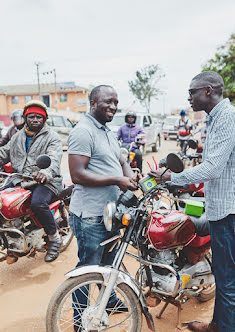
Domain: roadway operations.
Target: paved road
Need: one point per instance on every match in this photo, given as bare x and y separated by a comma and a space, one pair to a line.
27, 286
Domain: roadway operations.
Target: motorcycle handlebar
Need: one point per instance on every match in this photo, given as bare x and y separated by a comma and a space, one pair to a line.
12, 175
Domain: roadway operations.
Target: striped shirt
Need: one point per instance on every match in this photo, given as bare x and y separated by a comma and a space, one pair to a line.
218, 167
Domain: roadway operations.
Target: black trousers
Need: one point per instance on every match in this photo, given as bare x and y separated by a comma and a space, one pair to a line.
138, 158
41, 198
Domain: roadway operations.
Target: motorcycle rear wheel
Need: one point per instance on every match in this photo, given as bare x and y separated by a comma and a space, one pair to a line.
207, 294
60, 318
64, 229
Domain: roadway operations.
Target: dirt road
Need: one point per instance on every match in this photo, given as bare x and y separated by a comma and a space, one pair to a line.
27, 286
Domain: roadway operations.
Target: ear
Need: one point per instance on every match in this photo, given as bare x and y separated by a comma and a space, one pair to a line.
92, 103
208, 90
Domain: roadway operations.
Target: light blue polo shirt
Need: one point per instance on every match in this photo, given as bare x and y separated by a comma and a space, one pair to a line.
92, 139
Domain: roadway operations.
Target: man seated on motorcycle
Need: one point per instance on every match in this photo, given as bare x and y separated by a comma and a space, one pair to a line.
183, 125
127, 134
18, 123
22, 151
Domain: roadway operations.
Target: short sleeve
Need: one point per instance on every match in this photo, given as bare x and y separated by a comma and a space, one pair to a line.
80, 142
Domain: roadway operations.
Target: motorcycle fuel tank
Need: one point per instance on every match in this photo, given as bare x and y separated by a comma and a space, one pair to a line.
14, 202
169, 229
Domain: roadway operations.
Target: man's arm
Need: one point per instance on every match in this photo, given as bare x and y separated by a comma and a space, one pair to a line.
55, 152
80, 175
5, 139
222, 143
5, 154
126, 168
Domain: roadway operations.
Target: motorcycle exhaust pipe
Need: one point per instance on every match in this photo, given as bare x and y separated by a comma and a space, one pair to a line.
17, 231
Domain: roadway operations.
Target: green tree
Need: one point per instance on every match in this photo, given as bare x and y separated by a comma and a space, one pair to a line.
144, 86
224, 64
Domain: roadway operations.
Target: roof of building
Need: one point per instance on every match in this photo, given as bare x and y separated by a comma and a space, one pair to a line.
30, 89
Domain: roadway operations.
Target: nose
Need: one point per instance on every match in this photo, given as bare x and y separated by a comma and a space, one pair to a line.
113, 107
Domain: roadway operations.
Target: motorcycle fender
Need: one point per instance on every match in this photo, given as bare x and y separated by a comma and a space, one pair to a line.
122, 278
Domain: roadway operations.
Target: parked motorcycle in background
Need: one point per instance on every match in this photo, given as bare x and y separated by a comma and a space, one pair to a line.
20, 232
175, 264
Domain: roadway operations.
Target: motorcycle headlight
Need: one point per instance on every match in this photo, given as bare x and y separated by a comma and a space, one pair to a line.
109, 211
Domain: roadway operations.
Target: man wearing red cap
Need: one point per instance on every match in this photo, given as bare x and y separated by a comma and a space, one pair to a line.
22, 151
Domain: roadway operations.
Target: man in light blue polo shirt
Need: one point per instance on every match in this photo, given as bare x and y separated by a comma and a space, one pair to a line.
98, 172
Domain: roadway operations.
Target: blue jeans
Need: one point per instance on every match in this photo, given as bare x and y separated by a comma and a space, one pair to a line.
223, 263
90, 232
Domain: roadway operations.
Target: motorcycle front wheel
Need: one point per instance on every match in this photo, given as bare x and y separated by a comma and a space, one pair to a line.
62, 317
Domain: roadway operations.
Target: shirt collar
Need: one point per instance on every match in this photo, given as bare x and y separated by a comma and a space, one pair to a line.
131, 125
217, 107
97, 123
216, 110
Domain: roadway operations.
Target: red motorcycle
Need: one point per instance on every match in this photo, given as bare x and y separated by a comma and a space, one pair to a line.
20, 232
175, 264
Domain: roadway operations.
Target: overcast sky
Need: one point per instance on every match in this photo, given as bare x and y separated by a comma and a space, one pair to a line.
106, 41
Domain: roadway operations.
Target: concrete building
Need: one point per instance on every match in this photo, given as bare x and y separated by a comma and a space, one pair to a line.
62, 96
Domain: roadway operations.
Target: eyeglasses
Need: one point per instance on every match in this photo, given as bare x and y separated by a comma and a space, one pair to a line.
192, 91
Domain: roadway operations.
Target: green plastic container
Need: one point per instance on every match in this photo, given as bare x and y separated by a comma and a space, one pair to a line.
193, 208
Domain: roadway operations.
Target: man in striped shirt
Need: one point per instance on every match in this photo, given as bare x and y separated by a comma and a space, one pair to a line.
217, 171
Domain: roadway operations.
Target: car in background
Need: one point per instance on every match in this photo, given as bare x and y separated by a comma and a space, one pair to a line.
61, 125
169, 127
144, 120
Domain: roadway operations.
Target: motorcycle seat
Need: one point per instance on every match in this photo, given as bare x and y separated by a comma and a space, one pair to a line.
201, 225
65, 192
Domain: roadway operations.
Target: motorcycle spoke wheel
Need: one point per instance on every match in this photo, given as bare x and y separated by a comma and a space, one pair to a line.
65, 231
207, 293
61, 316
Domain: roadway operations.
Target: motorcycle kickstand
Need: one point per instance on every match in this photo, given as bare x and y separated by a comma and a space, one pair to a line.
180, 325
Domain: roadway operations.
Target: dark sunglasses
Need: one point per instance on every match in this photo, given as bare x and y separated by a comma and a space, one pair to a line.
192, 91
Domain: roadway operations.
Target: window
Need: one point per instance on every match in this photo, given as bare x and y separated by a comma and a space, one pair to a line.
58, 121
28, 98
68, 123
150, 119
63, 97
49, 121
14, 99
146, 122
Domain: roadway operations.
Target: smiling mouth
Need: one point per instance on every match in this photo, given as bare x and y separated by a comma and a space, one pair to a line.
109, 113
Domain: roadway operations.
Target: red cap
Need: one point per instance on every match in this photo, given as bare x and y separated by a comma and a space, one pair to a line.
37, 110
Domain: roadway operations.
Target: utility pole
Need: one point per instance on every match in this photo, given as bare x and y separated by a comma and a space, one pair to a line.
56, 100
53, 71
39, 92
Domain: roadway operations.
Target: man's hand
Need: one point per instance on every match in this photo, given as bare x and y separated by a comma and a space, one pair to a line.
39, 177
157, 175
125, 183
137, 176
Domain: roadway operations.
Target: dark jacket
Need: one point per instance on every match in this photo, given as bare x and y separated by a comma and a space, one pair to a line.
5, 139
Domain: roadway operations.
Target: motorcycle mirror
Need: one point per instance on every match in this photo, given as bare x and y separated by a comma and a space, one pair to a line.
43, 161
174, 162
193, 143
